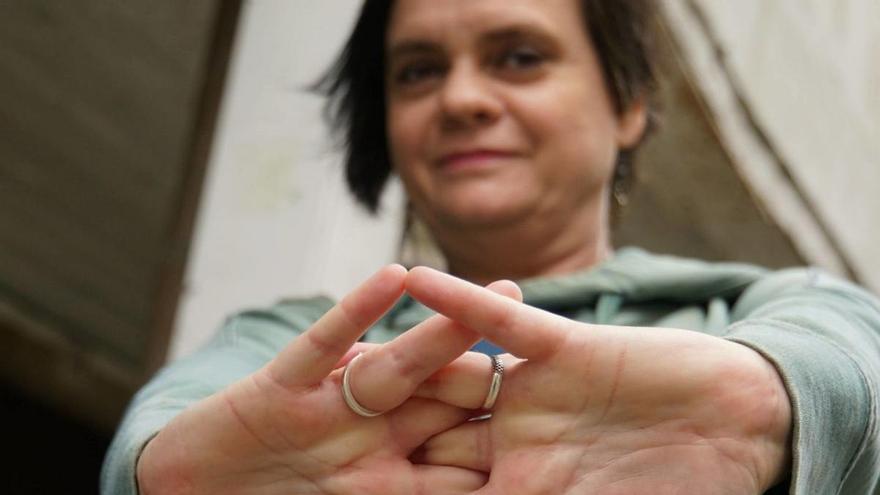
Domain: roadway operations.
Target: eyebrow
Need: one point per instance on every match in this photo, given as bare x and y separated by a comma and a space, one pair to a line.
501, 34
411, 47
514, 32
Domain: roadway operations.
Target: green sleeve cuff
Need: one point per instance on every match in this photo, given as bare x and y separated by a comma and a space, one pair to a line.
833, 407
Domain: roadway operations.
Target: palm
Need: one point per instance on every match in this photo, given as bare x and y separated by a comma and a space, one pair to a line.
251, 423
600, 424
612, 409
267, 439
286, 428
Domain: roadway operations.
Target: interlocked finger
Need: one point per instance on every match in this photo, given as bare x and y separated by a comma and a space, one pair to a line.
468, 446
465, 382
447, 480
417, 420
522, 330
315, 353
385, 377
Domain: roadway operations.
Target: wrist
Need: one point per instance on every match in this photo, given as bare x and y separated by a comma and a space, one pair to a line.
141, 475
773, 444
147, 476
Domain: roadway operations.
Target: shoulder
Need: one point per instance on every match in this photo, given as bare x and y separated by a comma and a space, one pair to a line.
807, 285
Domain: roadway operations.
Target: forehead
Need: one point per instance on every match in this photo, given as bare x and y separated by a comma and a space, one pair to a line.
439, 19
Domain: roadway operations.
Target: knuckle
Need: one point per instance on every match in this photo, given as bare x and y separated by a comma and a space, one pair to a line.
506, 317
351, 312
324, 346
405, 366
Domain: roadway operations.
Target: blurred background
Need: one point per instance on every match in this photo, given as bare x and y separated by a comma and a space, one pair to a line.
162, 166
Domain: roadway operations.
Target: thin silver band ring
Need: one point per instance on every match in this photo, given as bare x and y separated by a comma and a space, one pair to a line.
495, 385
350, 401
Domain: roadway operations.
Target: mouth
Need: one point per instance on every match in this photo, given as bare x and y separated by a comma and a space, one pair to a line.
473, 159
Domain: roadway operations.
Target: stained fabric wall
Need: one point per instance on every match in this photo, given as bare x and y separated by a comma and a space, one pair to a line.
806, 77
276, 220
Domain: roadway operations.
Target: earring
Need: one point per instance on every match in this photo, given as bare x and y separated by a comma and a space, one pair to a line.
620, 196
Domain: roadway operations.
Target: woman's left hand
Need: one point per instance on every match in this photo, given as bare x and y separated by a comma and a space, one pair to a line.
604, 409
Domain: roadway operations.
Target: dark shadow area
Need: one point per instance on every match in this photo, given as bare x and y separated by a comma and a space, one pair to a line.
46, 452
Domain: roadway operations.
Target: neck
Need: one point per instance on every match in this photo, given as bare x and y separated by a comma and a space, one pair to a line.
536, 247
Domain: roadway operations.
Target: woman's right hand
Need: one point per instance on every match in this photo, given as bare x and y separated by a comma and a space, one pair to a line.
286, 429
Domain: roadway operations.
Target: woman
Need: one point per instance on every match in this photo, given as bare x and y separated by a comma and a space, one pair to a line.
627, 372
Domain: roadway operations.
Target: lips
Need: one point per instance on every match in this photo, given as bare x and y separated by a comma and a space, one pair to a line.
473, 159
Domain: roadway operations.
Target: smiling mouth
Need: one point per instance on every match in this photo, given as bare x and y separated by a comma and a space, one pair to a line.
473, 160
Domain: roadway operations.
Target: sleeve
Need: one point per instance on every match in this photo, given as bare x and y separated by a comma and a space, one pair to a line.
823, 336
244, 344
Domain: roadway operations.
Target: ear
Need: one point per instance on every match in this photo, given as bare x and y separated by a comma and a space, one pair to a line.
632, 123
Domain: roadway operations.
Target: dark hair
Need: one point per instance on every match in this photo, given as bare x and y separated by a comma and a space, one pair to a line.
622, 32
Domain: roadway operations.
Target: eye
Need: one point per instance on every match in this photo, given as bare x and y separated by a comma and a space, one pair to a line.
519, 58
416, 72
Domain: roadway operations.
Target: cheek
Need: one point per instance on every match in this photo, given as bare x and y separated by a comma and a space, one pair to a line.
406, 131
576, 144
396, 137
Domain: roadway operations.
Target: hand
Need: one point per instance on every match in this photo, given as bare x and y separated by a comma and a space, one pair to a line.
286, 429
602, 409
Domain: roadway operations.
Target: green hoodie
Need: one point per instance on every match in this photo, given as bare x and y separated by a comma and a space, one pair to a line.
822, 334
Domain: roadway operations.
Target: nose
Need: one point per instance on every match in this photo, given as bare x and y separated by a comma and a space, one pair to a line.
468, 99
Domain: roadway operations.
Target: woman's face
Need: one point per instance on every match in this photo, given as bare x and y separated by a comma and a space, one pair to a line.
498, 111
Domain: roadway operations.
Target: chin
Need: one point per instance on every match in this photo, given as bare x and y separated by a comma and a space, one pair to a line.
482, 214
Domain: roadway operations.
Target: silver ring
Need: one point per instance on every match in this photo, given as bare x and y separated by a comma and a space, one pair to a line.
350, 401
495, 386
